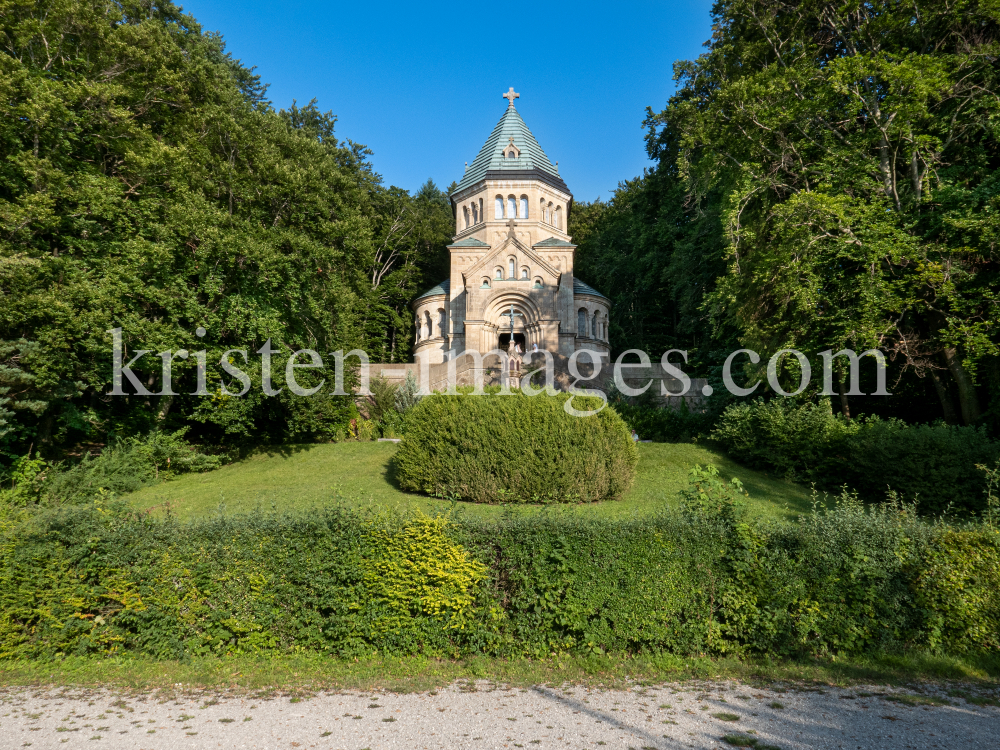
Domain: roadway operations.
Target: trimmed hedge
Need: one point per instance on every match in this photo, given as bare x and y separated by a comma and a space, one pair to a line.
934, 465
515, 449
705, 579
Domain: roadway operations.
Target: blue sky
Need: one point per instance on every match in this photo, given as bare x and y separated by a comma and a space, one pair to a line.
420, 83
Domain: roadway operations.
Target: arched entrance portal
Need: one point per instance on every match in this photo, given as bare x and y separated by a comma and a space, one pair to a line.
504, 340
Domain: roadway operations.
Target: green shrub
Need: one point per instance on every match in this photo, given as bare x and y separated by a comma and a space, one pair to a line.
665, 425
127, 466
706, 578
515, 449
957, 584
800, 440
936, 465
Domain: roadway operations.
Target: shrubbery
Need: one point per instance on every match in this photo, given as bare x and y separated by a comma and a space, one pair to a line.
705, 578
665, 424
934, 464
121, 468
515, 449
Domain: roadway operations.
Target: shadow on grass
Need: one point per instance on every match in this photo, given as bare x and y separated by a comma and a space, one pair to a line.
311, 672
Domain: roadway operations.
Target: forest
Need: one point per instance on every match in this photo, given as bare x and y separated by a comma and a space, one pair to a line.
824, 177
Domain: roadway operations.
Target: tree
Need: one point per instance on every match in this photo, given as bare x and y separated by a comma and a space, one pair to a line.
850, 150
148, 184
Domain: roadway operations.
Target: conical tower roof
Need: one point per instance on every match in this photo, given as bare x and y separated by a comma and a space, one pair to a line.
531, 162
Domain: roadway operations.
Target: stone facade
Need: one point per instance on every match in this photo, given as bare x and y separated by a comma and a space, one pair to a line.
511, 254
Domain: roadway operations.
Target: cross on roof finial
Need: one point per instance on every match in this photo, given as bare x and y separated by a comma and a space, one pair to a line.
511, 96
511, 224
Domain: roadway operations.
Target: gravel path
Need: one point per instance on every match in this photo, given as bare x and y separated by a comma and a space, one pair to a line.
484, 716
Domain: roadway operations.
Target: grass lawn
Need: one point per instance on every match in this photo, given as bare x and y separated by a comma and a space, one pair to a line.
304, 674
360, 473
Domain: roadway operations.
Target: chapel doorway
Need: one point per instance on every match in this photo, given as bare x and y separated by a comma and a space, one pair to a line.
504, 341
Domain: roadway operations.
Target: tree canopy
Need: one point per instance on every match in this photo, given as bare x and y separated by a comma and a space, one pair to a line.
147, 183
826, 177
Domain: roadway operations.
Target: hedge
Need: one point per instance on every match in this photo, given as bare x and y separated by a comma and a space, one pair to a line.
101, 580
935, 465
515, 449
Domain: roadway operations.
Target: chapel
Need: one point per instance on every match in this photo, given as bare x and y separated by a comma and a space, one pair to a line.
511, 259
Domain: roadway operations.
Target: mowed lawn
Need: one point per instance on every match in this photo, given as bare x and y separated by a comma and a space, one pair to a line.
360, 474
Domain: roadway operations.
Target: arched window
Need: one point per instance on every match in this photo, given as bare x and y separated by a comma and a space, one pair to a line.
498, 274
593, 325
485, 284
511, 207
465, 212
475, 214
558, 219
524, 274
524, 207
581, 322
499, 208
429, 327
511, 273
482, 216
538, 283
441, 321
548, 213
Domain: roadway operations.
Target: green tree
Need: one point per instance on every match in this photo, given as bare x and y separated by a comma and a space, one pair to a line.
147, 183
850, 150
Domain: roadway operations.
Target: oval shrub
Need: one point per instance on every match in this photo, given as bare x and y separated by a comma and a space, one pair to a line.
515, 449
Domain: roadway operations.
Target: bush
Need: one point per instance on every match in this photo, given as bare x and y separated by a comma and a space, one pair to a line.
706, 578
957, 584
127, 466
515, 449
936, 465
665, 425
799, 440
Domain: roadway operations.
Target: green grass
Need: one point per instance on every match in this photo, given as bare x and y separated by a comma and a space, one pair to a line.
360, 473
303, 673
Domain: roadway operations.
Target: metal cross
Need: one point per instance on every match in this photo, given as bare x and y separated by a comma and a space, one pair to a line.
511, 315
511, 96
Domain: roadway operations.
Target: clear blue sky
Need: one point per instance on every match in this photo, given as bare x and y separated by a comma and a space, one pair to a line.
420, 82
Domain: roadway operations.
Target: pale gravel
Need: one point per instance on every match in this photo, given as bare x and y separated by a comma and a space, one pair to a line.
485, 716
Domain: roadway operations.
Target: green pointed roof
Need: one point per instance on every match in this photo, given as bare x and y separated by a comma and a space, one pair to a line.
532, 161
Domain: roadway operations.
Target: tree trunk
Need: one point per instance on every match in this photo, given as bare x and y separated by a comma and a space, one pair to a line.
950, 415
165, 403
845, 407
968, 402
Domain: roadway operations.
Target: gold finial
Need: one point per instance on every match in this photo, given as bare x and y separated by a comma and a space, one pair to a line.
511, 95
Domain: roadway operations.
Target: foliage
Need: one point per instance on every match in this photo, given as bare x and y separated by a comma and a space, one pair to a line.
148, 184
826, 177
98, 579
665, 425
407, 394
958, 586
515, 449
937, 465
126, 466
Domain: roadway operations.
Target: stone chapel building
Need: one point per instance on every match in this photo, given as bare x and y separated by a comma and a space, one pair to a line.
511, 254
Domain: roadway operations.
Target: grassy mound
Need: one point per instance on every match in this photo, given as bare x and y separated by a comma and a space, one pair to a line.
515, 449
362, 474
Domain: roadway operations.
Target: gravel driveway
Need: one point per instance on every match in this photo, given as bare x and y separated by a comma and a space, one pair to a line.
485, 716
